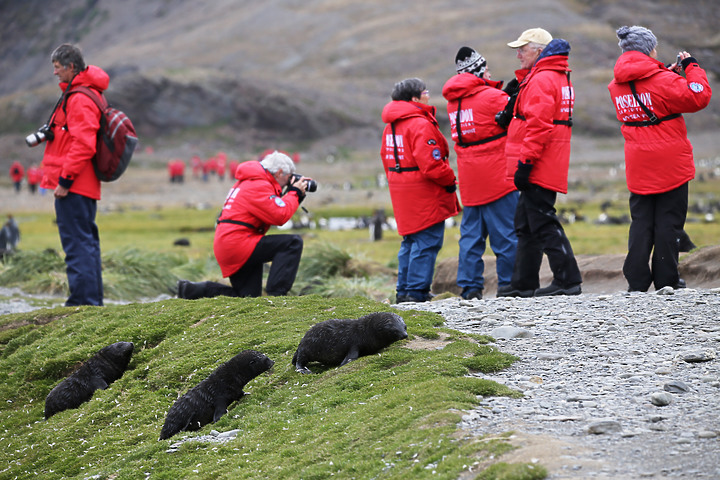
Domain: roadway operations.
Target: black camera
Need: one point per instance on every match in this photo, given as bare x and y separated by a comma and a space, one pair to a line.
311, 184
43, 133
503, 117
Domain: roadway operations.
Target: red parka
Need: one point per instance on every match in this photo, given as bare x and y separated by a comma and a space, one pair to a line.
68, 158
658, 158
34, 175
546, 96
417, 189
482, 173
256, 199
17, 171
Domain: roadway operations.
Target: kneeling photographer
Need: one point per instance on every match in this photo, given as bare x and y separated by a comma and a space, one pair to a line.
253, 205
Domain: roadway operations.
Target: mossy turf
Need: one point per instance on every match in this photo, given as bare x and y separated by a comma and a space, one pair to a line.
390, 415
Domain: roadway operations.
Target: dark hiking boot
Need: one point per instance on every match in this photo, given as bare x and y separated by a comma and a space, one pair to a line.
472, 294
553, 289
190, 290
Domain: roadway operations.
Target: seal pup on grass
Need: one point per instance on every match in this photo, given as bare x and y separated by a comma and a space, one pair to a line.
336, 342
208, 401
98, 372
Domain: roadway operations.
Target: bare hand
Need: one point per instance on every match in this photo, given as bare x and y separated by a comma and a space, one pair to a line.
61, 192
300, 183
677, 67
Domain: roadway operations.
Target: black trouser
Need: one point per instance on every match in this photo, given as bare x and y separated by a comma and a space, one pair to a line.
657, 226
539, 231
284, 251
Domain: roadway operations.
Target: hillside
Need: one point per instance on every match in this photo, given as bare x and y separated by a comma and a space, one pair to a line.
303, 74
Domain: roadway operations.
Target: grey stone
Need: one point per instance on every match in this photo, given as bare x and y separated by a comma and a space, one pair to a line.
604, 426
661, 399
676, 386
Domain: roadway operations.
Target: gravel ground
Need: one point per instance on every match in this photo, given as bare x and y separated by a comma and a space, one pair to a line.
617, 386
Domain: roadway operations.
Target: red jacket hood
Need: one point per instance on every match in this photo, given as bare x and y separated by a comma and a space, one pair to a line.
398, 109
634, 65
253, 171
466, 84
92, 76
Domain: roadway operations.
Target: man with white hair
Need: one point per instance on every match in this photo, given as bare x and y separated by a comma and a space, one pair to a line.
538, 155
241, 247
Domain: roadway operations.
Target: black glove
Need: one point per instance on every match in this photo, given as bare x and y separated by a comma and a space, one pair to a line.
522, 175
512, 87
300, 194
687, 61
451, 188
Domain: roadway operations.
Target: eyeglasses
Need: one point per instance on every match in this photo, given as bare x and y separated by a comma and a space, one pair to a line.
425, 92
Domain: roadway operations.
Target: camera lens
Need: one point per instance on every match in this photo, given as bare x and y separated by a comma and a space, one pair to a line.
311, 186
34, 139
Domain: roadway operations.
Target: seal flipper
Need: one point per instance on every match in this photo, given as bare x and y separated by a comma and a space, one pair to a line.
98, 383
222, 404
352, 354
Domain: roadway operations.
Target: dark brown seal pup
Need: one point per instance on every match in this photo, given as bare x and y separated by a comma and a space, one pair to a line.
339, 341
99, 371
208, 401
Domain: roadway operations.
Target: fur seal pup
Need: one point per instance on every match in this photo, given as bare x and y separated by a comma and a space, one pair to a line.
339, 341
208, 400
99, 371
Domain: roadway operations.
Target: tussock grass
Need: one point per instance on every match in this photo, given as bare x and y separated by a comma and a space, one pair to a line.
128, 274
390, 415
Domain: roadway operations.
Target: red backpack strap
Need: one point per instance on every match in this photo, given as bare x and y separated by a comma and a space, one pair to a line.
95, 96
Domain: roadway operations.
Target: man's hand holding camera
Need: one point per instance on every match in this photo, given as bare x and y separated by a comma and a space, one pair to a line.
301, 185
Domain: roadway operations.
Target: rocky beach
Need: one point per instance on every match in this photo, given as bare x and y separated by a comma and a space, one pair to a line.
616, 386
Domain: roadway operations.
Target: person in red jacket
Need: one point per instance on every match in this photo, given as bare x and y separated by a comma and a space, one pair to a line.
17, 172
489, 198
649, 99
69, 172
241, 247
422, 185
538, 156
34, 177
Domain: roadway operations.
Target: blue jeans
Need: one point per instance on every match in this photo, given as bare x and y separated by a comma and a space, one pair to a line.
416, 260
494, 220
81, 242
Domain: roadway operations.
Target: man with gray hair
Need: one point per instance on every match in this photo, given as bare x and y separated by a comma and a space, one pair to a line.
68, 171
538, 156
649, 99
255, 203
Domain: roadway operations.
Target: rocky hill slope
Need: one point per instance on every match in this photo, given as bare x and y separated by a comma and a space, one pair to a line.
246, 73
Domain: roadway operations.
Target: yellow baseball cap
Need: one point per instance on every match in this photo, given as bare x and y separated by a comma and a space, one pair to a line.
533, 35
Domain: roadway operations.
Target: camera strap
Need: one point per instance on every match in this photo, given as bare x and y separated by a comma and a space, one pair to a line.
397, 168
654, 120
61, 100
568, 122
482, 141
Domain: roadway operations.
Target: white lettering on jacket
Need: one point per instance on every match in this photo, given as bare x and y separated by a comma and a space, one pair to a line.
466, 116
394, 140
629, 109
624, 102
231, 197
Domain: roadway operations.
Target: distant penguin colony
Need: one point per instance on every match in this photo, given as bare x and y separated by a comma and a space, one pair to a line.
98, 372
338, 341
208, 401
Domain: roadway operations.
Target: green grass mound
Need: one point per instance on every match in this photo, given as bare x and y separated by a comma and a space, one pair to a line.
390, 415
